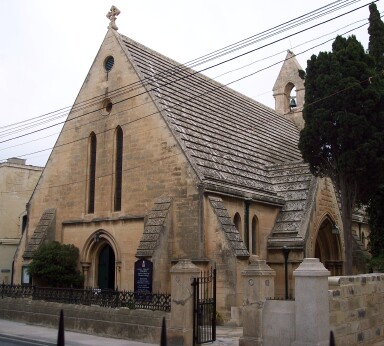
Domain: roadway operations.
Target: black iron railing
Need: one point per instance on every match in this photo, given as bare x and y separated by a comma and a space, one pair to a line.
105, 298
204, 311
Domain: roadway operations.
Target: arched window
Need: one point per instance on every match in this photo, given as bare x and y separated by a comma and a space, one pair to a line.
253, 236
24, 222
118, 167
237, 222
91, 173
290, 101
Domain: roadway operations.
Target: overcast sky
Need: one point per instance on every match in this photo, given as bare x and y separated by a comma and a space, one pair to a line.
48, 47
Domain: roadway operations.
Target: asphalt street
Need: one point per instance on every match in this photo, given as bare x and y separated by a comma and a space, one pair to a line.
21, 334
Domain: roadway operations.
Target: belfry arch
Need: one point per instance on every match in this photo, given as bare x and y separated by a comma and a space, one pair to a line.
101, 261
289, 92
328, 246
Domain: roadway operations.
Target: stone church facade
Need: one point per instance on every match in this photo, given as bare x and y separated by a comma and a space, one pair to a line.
158, 162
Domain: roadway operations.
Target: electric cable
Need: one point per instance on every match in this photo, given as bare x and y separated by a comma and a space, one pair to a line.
203, 95
196, 72
233, 45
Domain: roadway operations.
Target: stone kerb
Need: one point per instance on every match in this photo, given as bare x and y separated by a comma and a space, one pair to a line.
258, 285
311, 308
181, 324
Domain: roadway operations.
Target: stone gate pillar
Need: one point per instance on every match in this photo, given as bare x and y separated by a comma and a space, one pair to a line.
181, 325
259, 284
311, 304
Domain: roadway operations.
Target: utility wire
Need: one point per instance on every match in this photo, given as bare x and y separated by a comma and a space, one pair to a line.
193, 72
151, 162
237, 69
277, 30
227, 84
237, 45
202, 95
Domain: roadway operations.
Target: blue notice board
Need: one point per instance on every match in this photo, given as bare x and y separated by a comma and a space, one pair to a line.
143, 276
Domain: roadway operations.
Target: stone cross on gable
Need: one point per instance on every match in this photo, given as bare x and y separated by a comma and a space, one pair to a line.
111, 15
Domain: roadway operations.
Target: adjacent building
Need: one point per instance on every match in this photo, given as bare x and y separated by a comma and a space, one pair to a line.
17, 182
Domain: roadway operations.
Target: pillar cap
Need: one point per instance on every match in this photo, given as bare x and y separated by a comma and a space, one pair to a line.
185, 265
258, 267
311, 267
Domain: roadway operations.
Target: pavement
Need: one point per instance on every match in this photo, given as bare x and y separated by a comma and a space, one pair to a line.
225, 336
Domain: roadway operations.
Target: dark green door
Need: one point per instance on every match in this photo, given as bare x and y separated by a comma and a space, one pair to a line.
106, 277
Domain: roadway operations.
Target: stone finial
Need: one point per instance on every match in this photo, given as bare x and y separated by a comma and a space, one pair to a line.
111, 15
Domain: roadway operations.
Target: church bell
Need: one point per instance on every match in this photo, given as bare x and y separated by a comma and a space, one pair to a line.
292, 103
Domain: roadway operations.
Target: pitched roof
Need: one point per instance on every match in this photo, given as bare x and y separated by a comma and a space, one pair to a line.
232, 142
289, 72
228, 138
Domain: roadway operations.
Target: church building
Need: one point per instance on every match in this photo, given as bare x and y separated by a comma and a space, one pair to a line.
156, 161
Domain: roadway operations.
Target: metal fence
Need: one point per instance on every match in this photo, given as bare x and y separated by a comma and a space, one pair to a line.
91, 296
204, 311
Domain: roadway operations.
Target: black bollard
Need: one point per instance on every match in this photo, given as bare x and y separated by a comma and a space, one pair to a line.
163, 338
60, 335
332, 339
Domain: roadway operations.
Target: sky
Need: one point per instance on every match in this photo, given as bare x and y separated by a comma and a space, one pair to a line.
48, 48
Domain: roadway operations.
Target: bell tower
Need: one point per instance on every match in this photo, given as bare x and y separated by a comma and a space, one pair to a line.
288, 91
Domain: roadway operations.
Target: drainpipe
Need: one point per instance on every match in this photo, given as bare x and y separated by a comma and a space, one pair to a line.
246, 223
12, 272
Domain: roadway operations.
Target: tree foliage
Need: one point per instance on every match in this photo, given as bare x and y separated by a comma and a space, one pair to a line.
376, 223
54, 264
343, 137
375, 208
376, 36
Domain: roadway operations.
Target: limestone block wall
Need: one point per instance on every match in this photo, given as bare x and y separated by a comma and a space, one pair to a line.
356, 306
355, 312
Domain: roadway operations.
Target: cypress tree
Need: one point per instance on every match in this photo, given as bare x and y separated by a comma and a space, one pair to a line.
376, 36
375, 208
376, 223
343, 134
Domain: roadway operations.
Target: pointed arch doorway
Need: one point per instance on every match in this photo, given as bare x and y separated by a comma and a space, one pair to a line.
106, 268
328, 248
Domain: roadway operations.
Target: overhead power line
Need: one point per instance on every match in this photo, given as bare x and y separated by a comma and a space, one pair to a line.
208, 57
215, 88
175, 81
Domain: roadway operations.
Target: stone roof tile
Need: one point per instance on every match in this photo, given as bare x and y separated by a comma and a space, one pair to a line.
40, 233
154, 227
231, 141
226, 136
228, 227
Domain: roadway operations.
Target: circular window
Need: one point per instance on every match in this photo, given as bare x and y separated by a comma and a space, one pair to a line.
108, 63
106, 107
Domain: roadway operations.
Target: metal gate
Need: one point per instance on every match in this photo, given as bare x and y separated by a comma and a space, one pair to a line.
204, 307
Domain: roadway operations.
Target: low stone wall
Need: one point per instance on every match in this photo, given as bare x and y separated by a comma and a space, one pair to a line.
351, 306
356, 306
139, 325
278, 322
